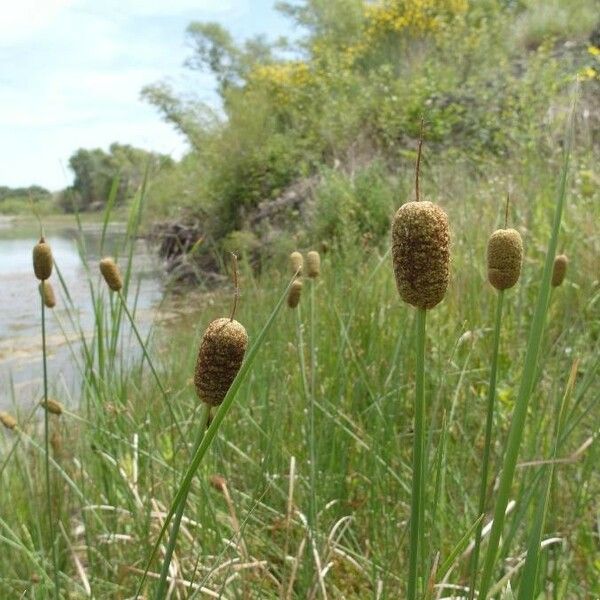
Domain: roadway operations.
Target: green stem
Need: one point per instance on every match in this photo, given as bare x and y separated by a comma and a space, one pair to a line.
488, 442
311, 415
47, 455
418, 496
161, 592
174, 421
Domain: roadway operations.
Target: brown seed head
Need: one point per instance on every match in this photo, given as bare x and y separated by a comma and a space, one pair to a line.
42, 260
52, 406
297, 262
220, 356
421, 253
218, 482
56, 443
111, 274
294, 294
47, 293
313, 264
559, 270
504, 258
8, 420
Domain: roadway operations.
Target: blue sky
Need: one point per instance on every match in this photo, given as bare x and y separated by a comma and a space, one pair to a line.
71, 72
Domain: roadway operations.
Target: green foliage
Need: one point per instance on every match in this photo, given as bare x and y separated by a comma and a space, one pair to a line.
96, 172
367, 71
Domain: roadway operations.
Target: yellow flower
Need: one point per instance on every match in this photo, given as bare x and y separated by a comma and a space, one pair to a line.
594, 50
587, 74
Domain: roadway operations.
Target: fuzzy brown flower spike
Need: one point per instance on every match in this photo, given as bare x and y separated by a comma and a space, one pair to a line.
42, 260
47, 293
504, 258
297, 262
220, 357
8, 420
294, 294
52, 406
421, 253
313, 264
111, 274
559, 270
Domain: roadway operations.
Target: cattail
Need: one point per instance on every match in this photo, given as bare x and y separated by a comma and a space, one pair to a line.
420, 251
111, 274
56, 443
293, 298
47, 293
313, 264
42, 260
8, 420
52, 406
559, 270
504, 258
297, 262
220, 356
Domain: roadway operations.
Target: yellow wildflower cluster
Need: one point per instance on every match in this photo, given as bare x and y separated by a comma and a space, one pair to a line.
420, 16
591, 72
282, 79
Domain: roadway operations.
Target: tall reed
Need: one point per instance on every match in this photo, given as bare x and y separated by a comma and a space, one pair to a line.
42, 268
420, 253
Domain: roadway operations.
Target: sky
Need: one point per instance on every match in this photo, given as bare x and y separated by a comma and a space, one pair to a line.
71, 72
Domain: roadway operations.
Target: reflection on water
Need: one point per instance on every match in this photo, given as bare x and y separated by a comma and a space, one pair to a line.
20, 333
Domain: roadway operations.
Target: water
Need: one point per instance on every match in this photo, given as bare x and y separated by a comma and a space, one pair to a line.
20, 329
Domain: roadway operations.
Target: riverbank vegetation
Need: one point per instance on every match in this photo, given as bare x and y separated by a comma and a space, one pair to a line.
306, 489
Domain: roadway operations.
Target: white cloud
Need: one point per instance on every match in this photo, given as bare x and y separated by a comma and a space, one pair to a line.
23, 19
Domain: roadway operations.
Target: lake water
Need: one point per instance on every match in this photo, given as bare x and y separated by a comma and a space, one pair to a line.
20, 328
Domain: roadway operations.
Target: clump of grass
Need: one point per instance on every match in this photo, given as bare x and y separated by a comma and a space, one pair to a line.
296, 262
313, 264
112, 275
295, 293
47, 293
420, 256
559, 270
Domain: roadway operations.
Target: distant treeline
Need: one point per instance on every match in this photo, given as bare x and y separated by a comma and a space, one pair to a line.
34, 192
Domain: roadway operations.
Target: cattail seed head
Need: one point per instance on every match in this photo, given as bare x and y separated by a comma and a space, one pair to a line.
8, 420
220, 357
294, 294
111, 274
52, 406
42, 260
313, 264
297, 262
56, 443
504, 258
47, 293
559, 270
421, 253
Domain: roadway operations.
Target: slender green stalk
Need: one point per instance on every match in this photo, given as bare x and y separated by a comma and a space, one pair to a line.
417, 497
47, 455
311, 416
161, 591
527, 383
491, 397
214, 427
151, 365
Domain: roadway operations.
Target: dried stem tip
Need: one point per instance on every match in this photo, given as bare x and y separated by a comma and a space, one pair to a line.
294, 294
559, 270
504, 258
42, 260
52, 406
421, 253
111, 274
313, 264
297, 262
47, 293
8, 420
220, 356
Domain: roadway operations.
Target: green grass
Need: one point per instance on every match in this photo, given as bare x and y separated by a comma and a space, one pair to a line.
117, 479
